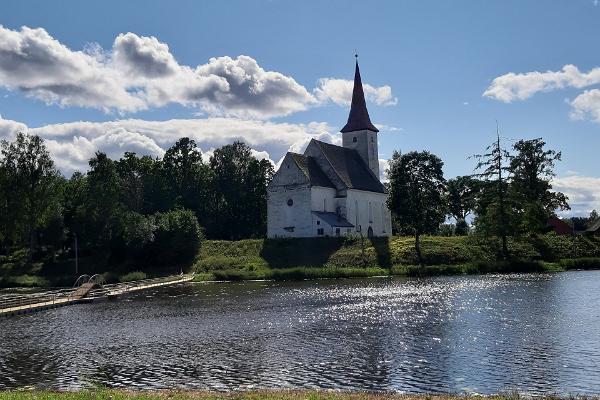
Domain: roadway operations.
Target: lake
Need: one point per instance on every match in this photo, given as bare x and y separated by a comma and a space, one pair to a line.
476, 334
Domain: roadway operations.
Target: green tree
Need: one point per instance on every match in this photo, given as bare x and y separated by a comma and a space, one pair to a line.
494, 217
417, 188
460, 198
32, 186
240, 192
532, 169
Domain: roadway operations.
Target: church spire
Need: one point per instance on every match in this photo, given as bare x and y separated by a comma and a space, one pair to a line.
358, 119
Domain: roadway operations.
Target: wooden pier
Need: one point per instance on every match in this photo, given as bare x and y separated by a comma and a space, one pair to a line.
88, 291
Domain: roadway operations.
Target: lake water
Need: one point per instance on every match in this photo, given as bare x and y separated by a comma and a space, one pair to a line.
484, 334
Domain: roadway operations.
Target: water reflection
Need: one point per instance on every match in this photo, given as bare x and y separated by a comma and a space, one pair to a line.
532, 333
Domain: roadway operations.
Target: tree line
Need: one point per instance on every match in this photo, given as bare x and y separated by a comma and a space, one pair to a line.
509, 194
156, 211
135, 209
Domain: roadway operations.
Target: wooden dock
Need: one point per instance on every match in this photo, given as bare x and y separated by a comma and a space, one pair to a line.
87, 292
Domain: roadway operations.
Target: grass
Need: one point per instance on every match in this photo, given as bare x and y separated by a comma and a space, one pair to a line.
313, 258
103, 394
296, 259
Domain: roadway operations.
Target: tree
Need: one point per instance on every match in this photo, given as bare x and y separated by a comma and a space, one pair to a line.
460, 198
493, 214
240, 190
189, 179
32, 185
532, 168
417, 188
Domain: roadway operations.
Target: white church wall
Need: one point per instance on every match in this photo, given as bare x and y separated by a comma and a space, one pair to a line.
366, 209
323, 199
289, 185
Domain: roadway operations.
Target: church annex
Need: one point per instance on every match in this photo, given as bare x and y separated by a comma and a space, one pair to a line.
332, 190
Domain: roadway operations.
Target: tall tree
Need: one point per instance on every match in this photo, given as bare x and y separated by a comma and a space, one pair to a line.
33, 182
240, 185
532, 168
461, 195
417, 188
494, 216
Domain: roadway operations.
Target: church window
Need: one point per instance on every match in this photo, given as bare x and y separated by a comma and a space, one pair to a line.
337, 231
318, 222
290, 202
371, 139
383, 218
324, 204
320, 231
288, 165
370, 213
354, 139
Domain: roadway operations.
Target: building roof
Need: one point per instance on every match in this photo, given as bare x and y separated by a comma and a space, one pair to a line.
358, 119
595, 227
333, 219
311, 169
350, 167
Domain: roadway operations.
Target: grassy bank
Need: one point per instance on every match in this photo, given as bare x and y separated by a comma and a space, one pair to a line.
293, 259
246, 395
314, 258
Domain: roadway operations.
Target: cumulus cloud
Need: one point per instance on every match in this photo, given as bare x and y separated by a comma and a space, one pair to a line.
583, 192
587, 104
383, 167
140, 72
521, 86
73, 144
339, 91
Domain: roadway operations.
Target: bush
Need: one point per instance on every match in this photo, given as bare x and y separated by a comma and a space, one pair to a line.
133, 276
581, 263
177, 238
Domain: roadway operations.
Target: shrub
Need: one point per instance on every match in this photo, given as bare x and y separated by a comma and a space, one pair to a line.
581, 263
133, 276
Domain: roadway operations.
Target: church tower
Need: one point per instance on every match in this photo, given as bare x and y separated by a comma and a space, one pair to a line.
359, 133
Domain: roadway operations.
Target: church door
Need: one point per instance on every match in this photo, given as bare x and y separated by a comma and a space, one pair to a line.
370, 232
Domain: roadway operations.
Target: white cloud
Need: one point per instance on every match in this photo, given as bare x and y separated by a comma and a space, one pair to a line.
72, 144
587, 104
583, 192
383, 167
339, 91
140, 72
512, 86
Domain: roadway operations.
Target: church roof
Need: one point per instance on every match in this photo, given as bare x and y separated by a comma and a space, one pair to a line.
358, 119
350, 167
595, 227
333, 219
311, 169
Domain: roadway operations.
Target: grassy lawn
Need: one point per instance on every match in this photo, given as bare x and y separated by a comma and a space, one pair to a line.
289, 259
251, 395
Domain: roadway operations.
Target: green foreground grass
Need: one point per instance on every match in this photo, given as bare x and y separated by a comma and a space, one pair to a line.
245, 395
295, 259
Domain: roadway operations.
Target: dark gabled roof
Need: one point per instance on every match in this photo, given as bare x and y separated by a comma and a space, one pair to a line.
311, 169
358, 119
350, 167
333, 219
595, 227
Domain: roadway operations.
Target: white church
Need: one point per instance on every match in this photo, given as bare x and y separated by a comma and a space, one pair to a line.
332, 190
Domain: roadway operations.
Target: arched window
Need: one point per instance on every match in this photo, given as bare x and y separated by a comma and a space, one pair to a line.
324, 205
370, 213
383, 217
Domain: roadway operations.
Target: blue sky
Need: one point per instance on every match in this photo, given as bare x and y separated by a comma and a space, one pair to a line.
429, 64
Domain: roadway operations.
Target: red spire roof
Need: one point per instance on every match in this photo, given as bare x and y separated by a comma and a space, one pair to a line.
358, 119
